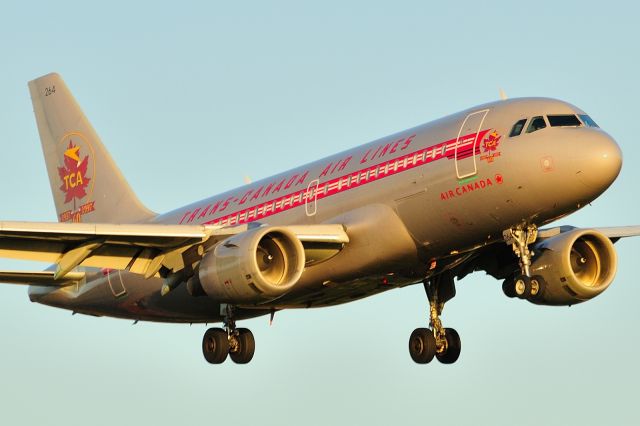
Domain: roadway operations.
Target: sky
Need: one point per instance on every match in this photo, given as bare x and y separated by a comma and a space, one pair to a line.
190, 97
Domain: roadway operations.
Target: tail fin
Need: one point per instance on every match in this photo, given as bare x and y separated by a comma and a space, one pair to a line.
87, 185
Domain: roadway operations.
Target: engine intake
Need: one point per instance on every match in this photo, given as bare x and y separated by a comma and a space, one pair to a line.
576, 266
254, 266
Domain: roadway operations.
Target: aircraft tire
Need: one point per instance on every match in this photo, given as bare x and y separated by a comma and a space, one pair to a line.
246, 347
215, 345
540, 283
509, 288
522, 286
422, 345
454, 347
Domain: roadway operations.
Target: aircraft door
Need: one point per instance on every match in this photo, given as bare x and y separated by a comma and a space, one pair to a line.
116, 284
311, 198
467, 144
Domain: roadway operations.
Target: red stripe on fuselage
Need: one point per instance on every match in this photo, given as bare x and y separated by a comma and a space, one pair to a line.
354, 180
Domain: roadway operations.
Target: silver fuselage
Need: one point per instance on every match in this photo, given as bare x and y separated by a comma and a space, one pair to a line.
412, 203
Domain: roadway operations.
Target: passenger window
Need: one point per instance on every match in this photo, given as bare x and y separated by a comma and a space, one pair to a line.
564, 121
588, 121
517, 128
537, 123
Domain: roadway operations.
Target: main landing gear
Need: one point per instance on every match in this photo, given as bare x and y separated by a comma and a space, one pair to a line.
443, 343
238, 343
523, 285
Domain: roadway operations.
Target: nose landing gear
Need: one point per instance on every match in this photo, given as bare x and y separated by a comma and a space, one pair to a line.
443, 343
238, 343
523, 285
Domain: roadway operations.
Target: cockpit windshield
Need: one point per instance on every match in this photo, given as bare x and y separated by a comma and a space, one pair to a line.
588, 121
537, 123
564, 121
552, 120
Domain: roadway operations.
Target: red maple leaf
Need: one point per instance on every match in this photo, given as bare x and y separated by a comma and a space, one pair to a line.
74, 174
491, 142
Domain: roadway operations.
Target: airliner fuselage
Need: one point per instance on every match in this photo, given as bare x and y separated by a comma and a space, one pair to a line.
413, 204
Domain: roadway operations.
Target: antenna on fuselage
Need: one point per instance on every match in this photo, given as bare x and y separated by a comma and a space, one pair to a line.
503, 96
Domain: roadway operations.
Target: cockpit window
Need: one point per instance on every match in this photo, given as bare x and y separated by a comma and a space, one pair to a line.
517, 128
537, 123
588, 121
564, 121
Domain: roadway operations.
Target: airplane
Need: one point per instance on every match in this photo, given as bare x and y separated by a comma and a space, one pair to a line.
429, 205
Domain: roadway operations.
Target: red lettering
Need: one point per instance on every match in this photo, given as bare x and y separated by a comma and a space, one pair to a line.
204, 212
364, 158
257, 193
375, 153
384, 150
290, 182
245, 196
407, 142
302, 178
279, 187
226, 204
267, 190
185, 216
344, 163
193, 215
394, 146
326, 170
215, 208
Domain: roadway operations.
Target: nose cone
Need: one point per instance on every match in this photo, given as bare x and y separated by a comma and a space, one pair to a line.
597, 161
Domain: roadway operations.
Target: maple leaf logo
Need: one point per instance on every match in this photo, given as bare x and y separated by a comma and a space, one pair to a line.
491, 142
74, 174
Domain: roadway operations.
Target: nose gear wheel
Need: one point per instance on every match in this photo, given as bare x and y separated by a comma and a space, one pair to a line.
523, 285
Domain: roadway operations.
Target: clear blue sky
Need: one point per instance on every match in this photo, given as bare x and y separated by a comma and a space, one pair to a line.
189, 98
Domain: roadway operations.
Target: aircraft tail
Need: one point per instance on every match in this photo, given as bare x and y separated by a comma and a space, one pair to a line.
86, 184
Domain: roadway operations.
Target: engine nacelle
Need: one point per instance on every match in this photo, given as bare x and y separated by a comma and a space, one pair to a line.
254, 266
576, 266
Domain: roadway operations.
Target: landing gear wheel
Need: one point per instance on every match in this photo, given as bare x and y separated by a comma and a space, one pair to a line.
509, 288
422, 345
454, 346
522, 286
537, 287
215, 345
246, 347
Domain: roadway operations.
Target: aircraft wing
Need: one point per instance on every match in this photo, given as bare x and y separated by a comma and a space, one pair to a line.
139, 248
40, 278
612, 232
617, 232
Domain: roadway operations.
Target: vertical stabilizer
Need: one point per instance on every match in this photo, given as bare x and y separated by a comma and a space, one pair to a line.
86, 184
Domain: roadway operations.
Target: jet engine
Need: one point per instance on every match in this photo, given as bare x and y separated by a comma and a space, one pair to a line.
575, 266
254, 266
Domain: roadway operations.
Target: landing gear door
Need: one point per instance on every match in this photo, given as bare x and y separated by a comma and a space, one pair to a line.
467, 144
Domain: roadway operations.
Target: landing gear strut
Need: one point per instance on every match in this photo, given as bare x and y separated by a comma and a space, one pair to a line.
443, 343
522, 285
238, 343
